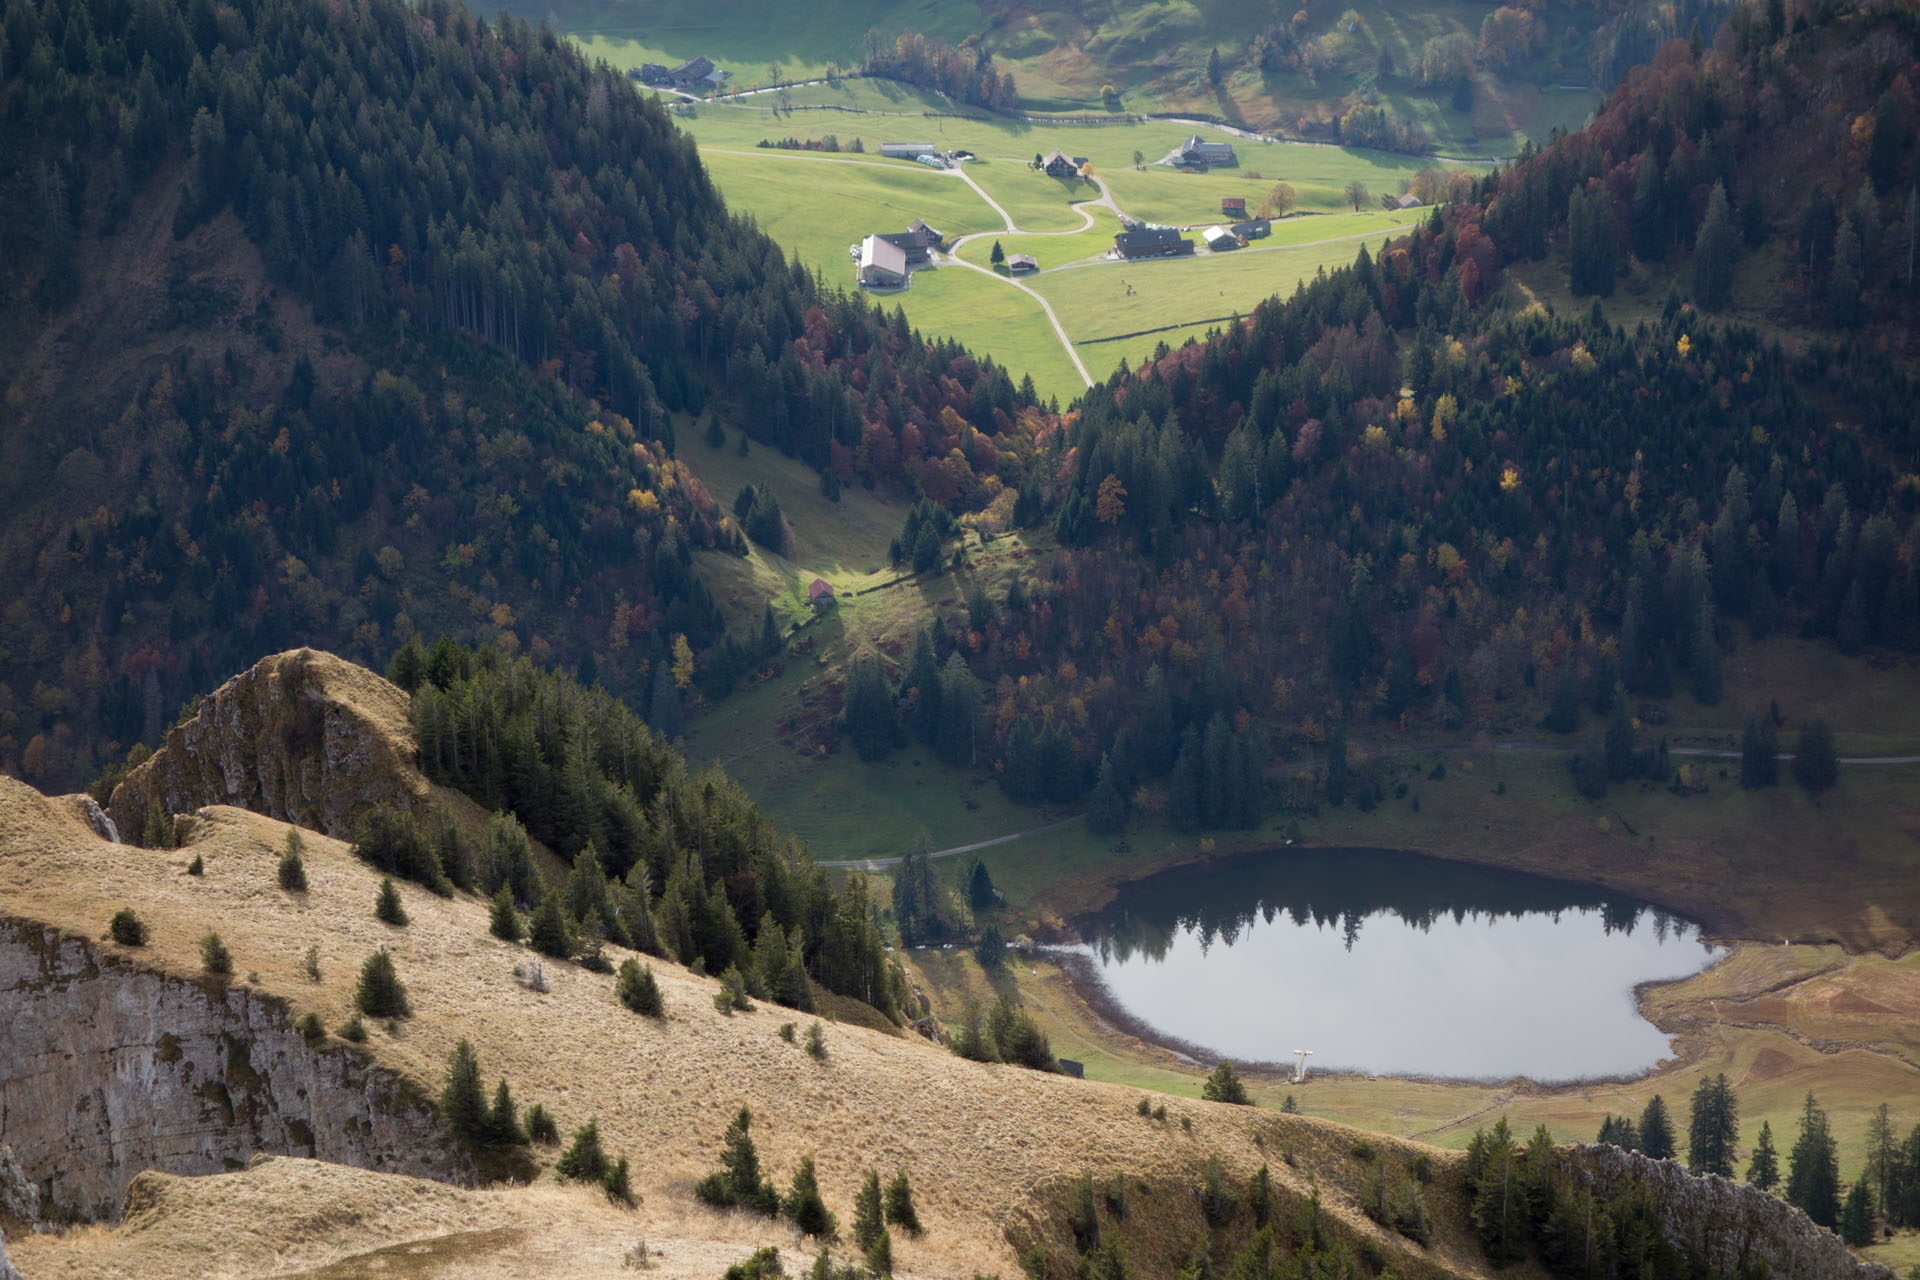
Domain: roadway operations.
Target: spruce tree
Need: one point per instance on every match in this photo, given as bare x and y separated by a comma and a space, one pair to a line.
803, 1205
869, 1222
463, 1101
1816, 766
1813, 1168
1764, 1171
214, 956
1620, 1131
549, 931
1713, 1127
292, 872
637, 989
1759, 758
738, 1182
504, 920
379, 993
1656, 1130
386, 907
1713, 253
585, 1160
127, 929
1106, 808
980, 894
1500, 1201
1224, 1086
502, 1128
899, 1210
1856, 1216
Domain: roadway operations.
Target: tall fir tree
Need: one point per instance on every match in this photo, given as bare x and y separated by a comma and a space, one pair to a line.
1713, 253
1763, 1171
1813, 1168
1656, 1130
1713, 1127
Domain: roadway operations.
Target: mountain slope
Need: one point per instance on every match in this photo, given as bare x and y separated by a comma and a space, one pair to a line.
345, 326
993, 1151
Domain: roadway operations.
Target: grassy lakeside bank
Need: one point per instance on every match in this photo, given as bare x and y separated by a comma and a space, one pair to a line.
1778, 1021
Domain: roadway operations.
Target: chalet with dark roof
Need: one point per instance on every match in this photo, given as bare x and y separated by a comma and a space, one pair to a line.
1196, 152
1060, 165
918, 242
1151, 242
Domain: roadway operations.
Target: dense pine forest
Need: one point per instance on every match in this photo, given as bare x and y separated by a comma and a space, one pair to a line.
1410, 493
665, 861
518, 271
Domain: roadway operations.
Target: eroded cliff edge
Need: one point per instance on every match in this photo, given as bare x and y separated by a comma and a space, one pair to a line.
111, 1069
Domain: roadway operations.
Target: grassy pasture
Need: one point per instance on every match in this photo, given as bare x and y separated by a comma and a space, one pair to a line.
1061, 57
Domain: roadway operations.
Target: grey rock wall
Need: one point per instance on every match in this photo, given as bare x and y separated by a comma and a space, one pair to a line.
110, 1069
6, 1269
303, 737
1735, 1221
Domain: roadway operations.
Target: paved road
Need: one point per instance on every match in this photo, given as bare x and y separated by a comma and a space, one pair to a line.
880, 864
1052, 319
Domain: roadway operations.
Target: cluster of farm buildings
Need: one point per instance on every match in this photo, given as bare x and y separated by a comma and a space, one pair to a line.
695, 75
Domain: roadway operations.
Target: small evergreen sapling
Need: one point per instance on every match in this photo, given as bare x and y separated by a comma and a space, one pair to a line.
127, 929
869, 1218
899, 1210
541, 1127
816, 1040
504, 921
353, 1030
198, 867
386, 907
1224, 1086
463, 1101
804, 1206
214, 956
292, 871
379, 993
738, 1182
550, 932
637, 989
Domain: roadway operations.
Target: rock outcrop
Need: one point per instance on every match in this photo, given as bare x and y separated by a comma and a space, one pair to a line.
112, 1069
1734, 1222
6, 1270
301, 736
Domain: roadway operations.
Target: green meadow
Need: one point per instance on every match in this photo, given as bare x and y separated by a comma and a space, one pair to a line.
817, 205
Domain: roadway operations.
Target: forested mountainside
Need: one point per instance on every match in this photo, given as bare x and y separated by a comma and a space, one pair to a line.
336, 322
1411, 491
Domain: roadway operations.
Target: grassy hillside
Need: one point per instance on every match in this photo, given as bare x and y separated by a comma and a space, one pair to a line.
991, 1150
1063, 56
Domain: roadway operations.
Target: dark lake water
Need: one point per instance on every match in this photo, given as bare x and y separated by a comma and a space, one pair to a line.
1392, 962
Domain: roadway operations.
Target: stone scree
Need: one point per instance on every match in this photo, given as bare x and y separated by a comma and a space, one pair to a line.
1733, 1220
111, 1069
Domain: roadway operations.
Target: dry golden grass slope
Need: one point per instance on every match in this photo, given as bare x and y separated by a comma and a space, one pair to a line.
992, 1151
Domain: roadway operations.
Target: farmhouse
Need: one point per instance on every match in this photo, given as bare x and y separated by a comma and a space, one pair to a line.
883, 264
1219, 239
820, 594
1059, 165
696, 75
1198, 153
1020, 264
1233, 207
1408, 201
1253, 229
1152, 242
918, 242
907, 150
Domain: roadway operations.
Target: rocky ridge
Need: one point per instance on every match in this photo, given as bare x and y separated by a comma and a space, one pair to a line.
1732, 1221
300, 736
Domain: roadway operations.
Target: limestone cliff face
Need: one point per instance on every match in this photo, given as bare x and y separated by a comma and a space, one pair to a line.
6, 1270
110, 1069
1734, 1221
302, 736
